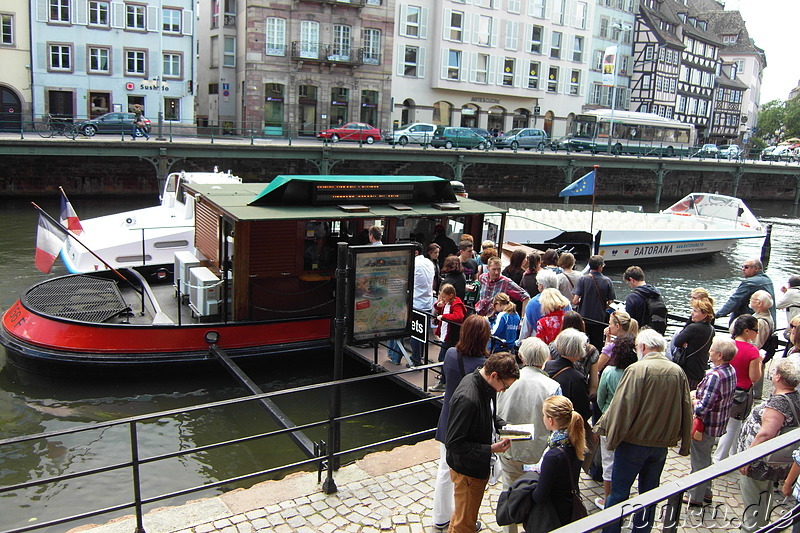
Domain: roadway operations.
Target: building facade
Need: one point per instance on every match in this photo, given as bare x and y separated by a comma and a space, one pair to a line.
726, 118
92, 57
750, 60
294, 67
613, 26
492, 64
15, 84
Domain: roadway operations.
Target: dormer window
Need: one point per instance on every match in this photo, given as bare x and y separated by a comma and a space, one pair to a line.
729, 39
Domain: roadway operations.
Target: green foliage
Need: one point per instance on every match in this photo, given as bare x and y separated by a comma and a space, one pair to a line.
778, 121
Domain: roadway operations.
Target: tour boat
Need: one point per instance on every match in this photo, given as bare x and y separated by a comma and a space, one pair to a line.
700, 224
261, 279
146, 237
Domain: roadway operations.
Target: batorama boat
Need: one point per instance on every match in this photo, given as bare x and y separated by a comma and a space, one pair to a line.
143, 237
262, 280
698, 225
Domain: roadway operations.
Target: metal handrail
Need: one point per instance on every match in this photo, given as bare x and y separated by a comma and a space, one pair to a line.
673, 491
136, 462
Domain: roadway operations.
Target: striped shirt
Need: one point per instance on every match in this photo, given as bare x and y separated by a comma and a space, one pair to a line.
715, 398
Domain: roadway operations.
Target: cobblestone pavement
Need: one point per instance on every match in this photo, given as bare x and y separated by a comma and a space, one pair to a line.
387, 491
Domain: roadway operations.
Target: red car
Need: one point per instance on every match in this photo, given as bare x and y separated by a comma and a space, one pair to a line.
352, 131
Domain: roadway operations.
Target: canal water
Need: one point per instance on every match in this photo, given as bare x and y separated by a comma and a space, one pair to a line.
32, 404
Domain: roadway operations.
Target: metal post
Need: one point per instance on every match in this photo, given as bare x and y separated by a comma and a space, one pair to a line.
334, 407
737, 175
160, 136
137, 489
660, 172
796, 195
569, 171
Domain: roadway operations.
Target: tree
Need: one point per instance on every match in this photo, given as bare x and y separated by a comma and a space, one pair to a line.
779, 120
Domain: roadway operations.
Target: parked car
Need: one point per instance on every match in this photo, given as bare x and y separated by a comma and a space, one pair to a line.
729, 151
565, 143
486, 134
418, 132
707, 150
526, 138
352, 131
115, 122
778, 153
449, 137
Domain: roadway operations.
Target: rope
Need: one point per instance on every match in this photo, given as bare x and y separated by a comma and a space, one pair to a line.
262, 289
323, 304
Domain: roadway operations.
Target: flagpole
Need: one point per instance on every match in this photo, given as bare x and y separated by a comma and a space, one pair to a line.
65, 230
594, 189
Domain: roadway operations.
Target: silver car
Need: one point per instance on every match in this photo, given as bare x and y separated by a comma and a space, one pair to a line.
419, 133
526, 138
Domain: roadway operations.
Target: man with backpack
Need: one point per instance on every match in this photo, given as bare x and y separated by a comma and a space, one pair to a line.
645, 303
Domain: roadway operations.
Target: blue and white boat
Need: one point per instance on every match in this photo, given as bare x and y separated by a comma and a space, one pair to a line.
698, 225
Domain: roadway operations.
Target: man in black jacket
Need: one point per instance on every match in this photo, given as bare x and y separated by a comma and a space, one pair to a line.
470, 431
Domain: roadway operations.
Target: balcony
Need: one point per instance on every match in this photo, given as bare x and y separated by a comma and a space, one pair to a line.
334, 54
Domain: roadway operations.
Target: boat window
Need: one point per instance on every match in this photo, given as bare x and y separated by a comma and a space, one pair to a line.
320, 245
171, 244
171, 184
133, 258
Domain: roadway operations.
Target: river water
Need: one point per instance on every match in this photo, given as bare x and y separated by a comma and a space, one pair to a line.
31, 404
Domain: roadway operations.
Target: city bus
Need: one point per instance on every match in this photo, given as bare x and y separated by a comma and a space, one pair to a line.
634, 133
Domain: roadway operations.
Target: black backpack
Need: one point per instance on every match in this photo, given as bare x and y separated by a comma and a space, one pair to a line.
655, 312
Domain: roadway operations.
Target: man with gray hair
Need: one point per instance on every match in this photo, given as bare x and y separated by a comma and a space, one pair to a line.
754, 280
650, 412
522, 404
545, 279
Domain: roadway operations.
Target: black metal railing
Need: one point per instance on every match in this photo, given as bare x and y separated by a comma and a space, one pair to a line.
137, 460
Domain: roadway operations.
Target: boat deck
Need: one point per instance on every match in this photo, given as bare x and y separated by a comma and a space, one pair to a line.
417, 380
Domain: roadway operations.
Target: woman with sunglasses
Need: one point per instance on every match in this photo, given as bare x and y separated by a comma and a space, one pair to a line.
747, 363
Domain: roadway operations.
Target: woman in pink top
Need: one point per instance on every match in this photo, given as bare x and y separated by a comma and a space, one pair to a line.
747, 363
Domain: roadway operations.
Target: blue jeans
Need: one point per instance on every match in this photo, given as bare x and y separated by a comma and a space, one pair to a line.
631, 460
393, 351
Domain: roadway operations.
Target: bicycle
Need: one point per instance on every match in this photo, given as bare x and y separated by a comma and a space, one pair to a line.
57, 126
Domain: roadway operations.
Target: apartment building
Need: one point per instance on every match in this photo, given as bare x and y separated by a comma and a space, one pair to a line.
15, 84
492, 64
726, 125
289, 67
676, 61
750, 61
613, 26
92, 57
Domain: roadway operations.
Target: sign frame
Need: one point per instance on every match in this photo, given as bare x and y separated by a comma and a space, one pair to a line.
380, 290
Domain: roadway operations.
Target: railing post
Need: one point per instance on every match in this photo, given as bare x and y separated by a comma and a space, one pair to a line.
137, 490
334, 408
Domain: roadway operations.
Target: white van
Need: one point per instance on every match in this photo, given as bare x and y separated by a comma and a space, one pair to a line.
419, 133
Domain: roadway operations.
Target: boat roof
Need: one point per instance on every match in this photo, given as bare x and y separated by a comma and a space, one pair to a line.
292, 198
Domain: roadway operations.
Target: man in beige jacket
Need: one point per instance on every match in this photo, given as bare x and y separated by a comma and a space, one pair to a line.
651, 411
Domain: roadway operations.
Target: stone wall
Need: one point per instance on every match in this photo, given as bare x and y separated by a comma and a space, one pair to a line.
97, 176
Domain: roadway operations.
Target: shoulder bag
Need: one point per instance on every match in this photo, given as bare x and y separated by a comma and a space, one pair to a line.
680, 356
783, 456
578, 509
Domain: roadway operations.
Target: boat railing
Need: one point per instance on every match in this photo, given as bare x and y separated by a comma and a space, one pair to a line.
141, 466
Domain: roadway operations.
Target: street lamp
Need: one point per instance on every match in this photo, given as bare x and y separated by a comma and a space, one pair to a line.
622, 28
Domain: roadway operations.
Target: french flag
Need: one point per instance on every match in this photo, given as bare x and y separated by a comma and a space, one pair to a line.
69, 219
49, 239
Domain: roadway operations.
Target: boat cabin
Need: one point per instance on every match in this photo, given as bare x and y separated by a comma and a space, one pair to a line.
277, 243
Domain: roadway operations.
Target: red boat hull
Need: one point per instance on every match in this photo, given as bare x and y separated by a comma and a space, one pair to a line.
47, 344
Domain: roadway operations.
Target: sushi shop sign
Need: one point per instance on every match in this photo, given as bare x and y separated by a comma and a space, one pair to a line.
380, 283
153, 85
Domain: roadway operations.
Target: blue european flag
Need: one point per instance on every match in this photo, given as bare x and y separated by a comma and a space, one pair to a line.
581, 187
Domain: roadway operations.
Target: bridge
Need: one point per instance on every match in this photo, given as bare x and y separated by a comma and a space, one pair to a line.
478, 169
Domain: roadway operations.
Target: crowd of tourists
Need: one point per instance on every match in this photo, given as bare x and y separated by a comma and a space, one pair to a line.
545, 374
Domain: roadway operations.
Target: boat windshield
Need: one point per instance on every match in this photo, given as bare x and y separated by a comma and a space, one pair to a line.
715, 206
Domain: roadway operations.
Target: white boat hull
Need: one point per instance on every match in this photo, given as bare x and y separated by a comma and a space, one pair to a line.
677, 233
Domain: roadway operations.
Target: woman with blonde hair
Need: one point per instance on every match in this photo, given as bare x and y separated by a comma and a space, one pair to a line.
691, 345
620, 323
565, 450
553, 304
699, 293
504, 322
